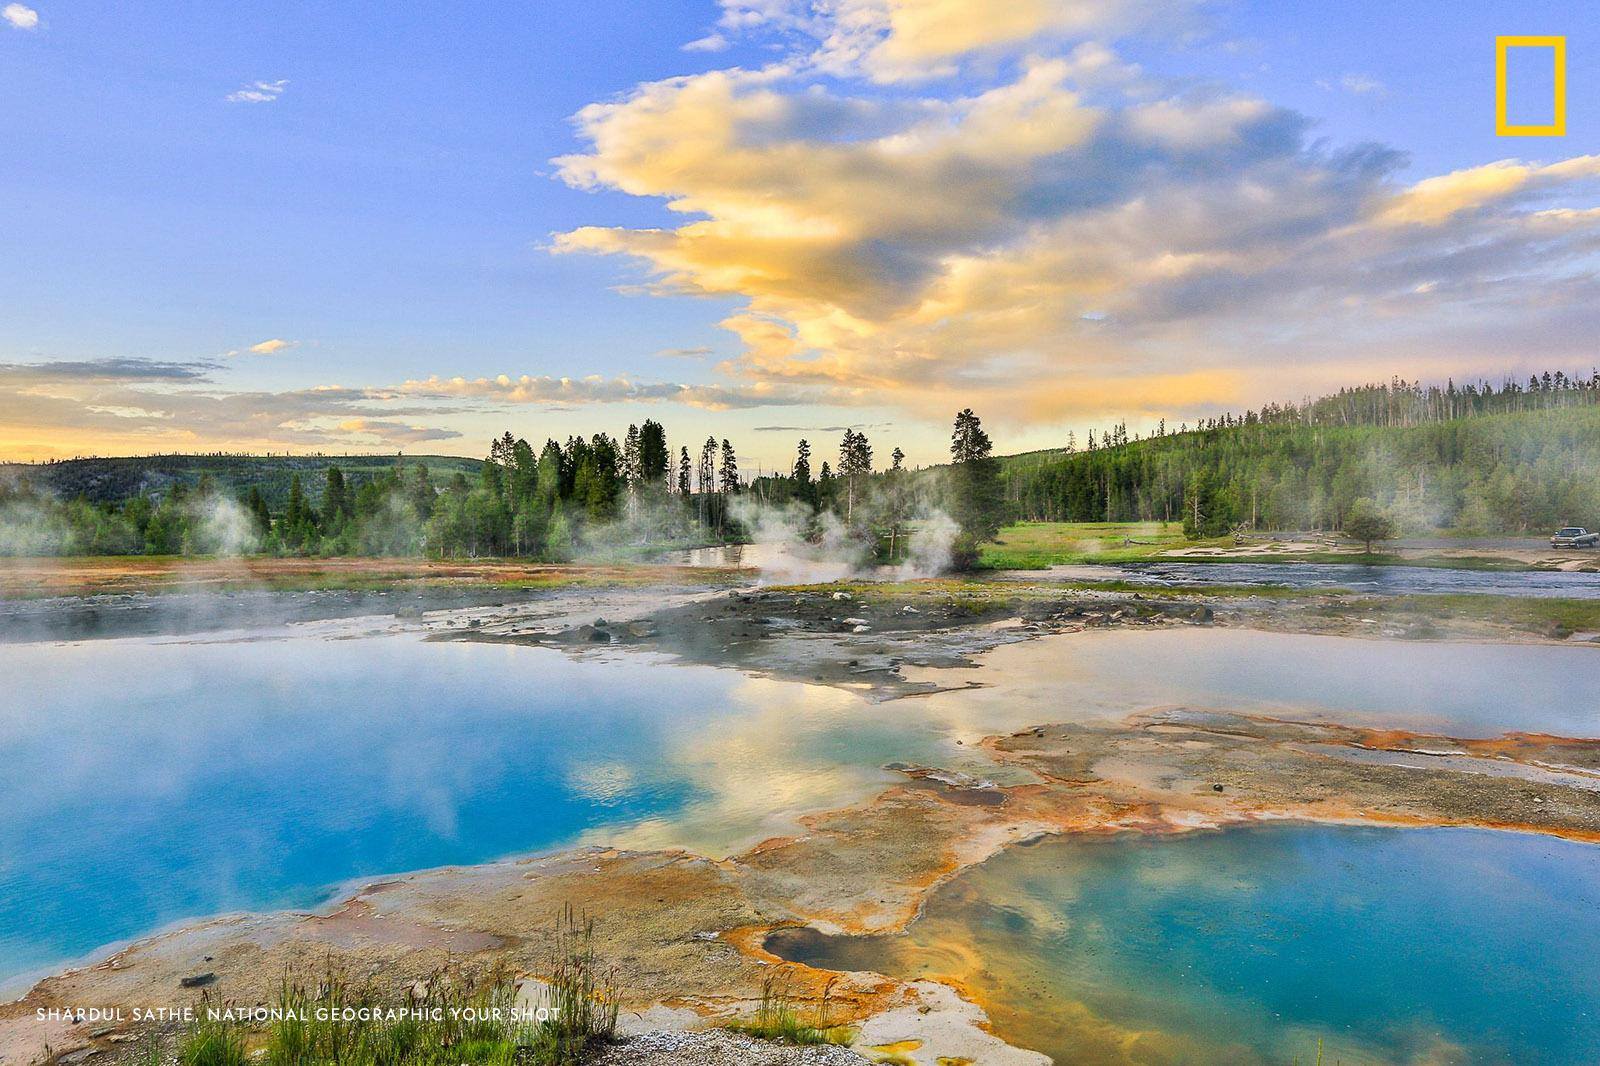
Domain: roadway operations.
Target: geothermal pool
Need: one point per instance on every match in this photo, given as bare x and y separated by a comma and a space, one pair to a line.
1251, 944
147, 781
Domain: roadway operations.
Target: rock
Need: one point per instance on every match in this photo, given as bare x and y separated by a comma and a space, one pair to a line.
719, 1047
841, 595
1216, 788
1202, 613
862, 628
908, 609
642, 629
199, 980
409, 612
76, 1056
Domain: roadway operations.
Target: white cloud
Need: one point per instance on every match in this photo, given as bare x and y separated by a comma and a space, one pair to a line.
914, 40
259, 92
711, 42
1357, 84
266, 347
20, 17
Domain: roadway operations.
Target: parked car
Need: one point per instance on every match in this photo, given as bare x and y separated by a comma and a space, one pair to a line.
1574, 537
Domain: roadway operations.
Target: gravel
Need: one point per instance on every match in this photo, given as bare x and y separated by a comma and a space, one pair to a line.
718, 1047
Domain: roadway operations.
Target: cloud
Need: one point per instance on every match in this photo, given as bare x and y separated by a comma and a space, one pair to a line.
393, 432
259, 92
273, 346
711, 42
124, 405
816, 429
20, 17
699, 352
1434, 201
1357, 84
1067, 222
915, 40
114, 369
594, 389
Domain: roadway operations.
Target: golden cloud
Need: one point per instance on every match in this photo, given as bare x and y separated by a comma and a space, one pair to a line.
1140, 247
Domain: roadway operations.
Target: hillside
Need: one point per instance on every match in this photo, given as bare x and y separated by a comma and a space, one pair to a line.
103, 481
1516, 472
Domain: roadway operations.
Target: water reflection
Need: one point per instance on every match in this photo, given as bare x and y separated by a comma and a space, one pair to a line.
1457, 688
145, 782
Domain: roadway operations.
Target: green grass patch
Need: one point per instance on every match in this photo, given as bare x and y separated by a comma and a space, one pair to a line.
778, 1017
1036, 545
1554, 617
454, 1017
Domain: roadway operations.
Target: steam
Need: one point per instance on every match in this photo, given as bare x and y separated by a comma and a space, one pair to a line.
221, 526
33, 523
932, 544
791, 545
28, 528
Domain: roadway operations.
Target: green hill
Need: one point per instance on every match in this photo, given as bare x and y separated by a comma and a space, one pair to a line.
107, 481
1498, 473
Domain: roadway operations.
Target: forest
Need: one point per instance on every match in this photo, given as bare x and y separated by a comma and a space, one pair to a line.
595, 498
1509, 459
515, 502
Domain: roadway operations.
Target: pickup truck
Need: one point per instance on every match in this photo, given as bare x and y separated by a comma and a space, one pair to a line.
1574, 537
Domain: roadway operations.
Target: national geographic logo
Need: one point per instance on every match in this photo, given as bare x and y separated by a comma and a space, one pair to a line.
1503, 126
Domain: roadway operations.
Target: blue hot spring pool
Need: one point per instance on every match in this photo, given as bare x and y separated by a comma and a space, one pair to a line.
1252, 945
147, 781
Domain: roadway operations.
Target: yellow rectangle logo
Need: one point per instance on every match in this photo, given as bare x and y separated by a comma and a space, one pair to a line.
1502, 125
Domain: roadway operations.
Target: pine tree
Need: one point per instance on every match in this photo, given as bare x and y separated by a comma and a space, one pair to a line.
976, 494
335, 501
802, 464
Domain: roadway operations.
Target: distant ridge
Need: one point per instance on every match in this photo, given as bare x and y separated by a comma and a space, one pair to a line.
113, 479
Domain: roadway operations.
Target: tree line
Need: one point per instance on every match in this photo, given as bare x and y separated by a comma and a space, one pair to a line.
1509, 459
593, 495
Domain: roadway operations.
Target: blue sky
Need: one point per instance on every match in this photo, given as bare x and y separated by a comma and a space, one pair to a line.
384, 196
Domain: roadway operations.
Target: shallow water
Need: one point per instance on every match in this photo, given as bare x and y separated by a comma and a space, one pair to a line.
1247, 946
145, 781
1391, 580
1460, 689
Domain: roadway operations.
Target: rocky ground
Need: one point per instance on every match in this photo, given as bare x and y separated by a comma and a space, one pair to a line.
721, 1048
862, 635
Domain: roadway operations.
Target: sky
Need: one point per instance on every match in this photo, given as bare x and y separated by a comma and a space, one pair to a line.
367, 228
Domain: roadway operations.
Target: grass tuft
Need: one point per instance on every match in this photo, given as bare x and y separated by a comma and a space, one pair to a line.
778, 1017
453, 1017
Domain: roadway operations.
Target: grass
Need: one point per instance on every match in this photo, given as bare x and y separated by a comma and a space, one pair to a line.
778, 1017
1552, 617
213, 1043
89, 575
452, 1018
1036, 545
